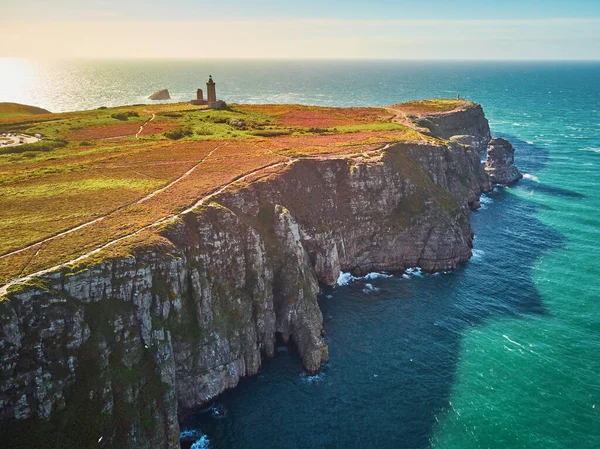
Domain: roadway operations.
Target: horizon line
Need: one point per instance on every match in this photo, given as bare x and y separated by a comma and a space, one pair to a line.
278, 58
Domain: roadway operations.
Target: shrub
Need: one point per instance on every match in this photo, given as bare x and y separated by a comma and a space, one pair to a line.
273, 133
179, 133
171, 114
237, 123
85, 143
124, 115
205, 131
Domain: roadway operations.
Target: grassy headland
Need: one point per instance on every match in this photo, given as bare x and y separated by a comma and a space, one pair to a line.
97, 177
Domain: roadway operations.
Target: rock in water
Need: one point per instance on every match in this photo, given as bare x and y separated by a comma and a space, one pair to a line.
160, 95
500, 162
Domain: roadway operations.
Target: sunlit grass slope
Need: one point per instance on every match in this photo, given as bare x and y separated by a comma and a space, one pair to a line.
97, 177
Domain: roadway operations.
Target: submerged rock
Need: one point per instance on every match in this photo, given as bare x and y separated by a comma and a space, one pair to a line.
160, 95
500, 162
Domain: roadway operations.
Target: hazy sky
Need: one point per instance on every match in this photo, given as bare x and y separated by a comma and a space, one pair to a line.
463, 29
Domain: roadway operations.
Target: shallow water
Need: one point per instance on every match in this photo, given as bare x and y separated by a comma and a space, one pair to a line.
504, 352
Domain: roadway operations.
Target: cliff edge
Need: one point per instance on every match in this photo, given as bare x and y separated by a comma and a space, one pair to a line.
107, 354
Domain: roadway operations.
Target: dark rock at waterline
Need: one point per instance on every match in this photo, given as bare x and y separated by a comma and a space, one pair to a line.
500, 162
160, 95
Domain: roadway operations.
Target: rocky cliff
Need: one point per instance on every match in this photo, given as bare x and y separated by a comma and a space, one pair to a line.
468, 121
160, 95
106, 356
500, 162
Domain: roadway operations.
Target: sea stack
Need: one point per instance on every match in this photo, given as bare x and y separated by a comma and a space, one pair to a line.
500, 162
160, 95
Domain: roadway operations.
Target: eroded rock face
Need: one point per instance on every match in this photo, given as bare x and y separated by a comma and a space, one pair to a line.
468, 121
160, 95
500, 162
121, 347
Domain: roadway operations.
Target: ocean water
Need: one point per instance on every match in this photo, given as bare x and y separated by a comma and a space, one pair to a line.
502, 353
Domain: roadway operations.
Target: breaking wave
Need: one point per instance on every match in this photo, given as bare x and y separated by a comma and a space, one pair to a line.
347, 278
593, 149
317, 378
532, 177
201, 440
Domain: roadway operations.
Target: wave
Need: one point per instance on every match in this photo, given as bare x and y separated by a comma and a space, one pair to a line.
414, 271
201, 440
347, 278
409, 273
370, 288
531, 177
477, 254
202, 443
317, 378
190, 433
484, 199
593, 149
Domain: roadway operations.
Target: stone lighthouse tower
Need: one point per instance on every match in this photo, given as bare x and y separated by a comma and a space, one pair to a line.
211, 91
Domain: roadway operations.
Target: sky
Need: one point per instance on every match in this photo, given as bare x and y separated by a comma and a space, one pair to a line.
350, 29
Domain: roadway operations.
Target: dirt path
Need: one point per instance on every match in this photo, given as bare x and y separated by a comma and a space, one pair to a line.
185, 175
96, 220
400, 117
164, 220
137, 136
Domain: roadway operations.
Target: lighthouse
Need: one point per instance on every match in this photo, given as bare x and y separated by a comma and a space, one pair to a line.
211, 90
211, 96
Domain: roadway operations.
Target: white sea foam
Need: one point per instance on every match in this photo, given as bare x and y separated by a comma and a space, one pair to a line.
593, 149
347, 278
317, 378
478, 254
202, 443
190, 433
405, 276
512, 341
375, 275
484, 199
532, 177
369, 288
414, 271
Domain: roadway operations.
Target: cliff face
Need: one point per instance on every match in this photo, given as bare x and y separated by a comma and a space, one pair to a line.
116, 350
500, 162
468, 121
160, 95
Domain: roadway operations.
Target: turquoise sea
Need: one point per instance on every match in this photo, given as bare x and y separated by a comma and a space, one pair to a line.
502, 353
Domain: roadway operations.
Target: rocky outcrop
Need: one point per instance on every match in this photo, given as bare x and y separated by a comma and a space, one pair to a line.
114, 351
500, 162
470, 120
160, 95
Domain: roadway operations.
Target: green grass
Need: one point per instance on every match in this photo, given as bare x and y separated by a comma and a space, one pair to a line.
432, 106
76, 175
16, 109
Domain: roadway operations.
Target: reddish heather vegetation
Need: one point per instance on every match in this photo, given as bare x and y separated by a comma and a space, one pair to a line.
131, 184
105, 131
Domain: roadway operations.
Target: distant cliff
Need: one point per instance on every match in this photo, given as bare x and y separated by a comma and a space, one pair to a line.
106, 356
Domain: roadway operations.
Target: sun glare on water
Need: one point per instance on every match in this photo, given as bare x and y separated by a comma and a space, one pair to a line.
17, 77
